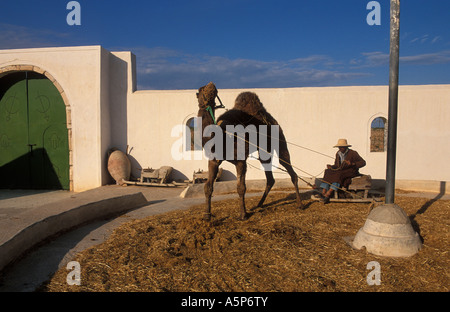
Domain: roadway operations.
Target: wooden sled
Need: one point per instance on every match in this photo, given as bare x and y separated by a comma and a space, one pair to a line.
156, 177
357, 192
201, 176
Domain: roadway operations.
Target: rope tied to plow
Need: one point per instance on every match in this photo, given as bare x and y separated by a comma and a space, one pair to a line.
286, 162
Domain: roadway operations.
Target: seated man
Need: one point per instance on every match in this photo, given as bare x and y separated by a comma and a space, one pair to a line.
346, 166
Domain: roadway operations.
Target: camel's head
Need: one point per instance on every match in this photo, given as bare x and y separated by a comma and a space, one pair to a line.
206, 96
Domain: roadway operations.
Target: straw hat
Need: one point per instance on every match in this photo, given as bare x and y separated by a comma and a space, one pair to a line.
342, 143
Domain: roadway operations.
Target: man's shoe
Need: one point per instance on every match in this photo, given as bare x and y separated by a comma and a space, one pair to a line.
325, 200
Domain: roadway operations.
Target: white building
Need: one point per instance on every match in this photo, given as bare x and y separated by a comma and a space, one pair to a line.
103, 109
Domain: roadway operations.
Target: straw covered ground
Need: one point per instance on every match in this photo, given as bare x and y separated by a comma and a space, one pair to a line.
280, 248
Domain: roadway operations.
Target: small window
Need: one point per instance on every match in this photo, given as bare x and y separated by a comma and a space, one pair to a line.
378, 135
191, 144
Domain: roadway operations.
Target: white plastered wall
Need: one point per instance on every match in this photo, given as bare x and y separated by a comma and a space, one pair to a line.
314, 118
107, 111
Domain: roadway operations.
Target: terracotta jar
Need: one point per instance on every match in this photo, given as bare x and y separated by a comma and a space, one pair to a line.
119, 166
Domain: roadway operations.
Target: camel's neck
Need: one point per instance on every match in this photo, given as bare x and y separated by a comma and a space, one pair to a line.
208, 117
207, 120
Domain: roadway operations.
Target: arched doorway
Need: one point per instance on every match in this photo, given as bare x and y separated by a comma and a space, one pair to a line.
34, 147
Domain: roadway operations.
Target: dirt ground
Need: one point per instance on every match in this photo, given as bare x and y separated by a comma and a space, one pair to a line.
278, 249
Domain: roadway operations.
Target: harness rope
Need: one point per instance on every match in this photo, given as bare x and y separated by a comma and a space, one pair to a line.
286, 162
306, 148
209, 109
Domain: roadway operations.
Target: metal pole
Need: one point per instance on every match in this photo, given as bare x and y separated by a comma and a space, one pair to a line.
388, 230
393, 101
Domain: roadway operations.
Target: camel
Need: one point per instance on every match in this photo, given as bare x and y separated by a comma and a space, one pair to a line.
248, 110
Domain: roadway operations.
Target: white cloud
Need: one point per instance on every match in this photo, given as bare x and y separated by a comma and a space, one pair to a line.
375, 59
442, 57
164, 68
160, 68
426, 39
436, 39
18, 37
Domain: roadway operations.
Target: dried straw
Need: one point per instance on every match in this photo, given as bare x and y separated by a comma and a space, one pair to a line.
280, 248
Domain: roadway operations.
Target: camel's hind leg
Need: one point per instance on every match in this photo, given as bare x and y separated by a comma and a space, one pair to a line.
270, 181
213, 169
241, 169
286, 162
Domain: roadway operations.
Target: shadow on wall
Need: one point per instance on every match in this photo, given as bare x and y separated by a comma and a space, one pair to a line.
228, 176
379, 184
118, 119
178, 175
135, 166
118, 104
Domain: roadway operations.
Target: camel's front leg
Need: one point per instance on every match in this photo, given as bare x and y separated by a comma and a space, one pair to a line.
241, 169
213, 168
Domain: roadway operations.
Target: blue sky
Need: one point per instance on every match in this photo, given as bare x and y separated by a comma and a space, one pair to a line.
244, 43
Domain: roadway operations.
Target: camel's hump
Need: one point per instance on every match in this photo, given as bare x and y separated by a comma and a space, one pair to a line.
249, 103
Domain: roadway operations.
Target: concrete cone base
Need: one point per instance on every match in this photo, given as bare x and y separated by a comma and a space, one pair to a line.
388, 232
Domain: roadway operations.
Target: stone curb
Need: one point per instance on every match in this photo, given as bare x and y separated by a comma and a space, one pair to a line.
56, 218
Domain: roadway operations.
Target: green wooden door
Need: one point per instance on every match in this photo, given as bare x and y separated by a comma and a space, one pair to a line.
34, 150
14, 131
